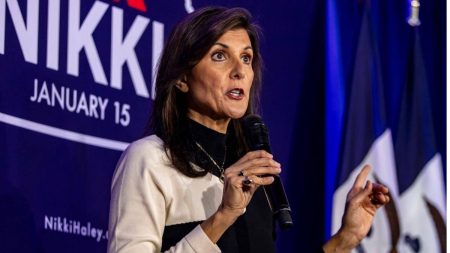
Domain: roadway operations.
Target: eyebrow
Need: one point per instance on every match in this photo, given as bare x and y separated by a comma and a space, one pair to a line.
226, 46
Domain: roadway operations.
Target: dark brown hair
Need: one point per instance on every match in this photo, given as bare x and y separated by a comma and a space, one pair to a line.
187, 44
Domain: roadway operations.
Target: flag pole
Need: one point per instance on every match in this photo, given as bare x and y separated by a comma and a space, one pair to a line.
413, 19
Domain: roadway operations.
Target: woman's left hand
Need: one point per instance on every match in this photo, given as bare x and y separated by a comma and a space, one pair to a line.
362, 204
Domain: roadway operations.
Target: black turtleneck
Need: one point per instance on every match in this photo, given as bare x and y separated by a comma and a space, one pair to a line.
253, 231
213, 143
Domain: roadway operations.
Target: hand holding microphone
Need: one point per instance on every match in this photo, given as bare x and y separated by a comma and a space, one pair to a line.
257, 138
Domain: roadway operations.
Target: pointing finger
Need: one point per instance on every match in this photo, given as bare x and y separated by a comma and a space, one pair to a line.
362, 176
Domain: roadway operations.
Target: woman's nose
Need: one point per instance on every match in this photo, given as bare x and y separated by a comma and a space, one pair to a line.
237, 72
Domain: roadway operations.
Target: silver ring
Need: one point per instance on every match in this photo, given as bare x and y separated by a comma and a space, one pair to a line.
247, 180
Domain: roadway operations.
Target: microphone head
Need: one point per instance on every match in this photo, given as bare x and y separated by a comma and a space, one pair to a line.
251, 119
256, 133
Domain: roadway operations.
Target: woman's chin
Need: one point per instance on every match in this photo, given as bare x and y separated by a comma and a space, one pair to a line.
236, 114
237, 109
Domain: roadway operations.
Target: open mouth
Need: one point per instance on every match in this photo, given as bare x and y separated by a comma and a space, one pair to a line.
236, 93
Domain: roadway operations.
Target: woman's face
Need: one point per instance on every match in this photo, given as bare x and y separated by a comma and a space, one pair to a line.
219, 85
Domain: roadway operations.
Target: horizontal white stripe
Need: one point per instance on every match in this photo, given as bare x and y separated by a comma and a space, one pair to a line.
63, 134
415, 217
429, 184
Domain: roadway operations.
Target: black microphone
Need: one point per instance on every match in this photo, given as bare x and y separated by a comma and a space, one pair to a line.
257, 138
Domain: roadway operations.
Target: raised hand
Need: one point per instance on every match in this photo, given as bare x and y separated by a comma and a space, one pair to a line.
363, 200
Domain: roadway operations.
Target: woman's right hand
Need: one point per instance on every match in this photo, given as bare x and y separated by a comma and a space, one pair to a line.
240, 183
254, 169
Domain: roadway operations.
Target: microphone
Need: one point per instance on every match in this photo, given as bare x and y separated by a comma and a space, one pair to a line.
257, 138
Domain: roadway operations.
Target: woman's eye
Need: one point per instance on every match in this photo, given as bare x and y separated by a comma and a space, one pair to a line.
218, 56
246, 59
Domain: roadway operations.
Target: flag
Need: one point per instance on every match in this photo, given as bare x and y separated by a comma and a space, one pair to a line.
367, 139
419, 165
407, 162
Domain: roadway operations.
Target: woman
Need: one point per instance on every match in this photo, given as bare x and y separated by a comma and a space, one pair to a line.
193, 186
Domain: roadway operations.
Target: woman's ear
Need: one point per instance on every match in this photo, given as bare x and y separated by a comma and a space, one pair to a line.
182, 84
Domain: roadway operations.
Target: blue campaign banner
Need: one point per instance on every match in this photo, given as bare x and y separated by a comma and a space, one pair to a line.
76, 86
